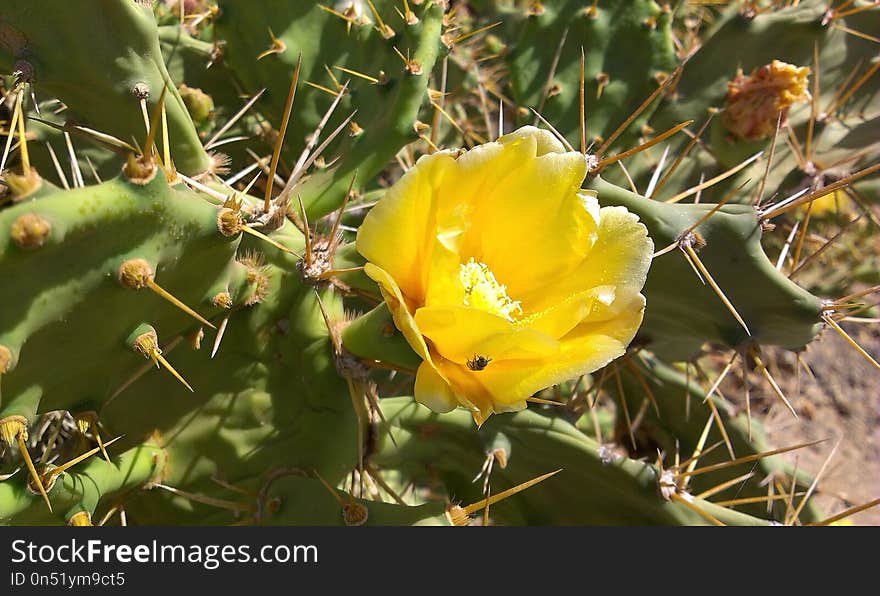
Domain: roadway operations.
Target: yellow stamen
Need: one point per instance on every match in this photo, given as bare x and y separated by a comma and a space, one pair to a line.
482, 291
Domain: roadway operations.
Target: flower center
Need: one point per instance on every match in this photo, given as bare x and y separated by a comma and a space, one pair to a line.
482, 290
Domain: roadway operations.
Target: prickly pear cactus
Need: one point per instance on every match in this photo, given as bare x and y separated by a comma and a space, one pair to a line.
369, 262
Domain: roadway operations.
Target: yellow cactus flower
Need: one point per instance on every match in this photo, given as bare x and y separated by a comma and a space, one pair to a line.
503, 275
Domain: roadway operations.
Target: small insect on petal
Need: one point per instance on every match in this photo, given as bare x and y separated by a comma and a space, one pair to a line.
478, 363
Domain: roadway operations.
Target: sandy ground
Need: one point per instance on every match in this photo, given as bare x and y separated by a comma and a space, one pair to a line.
841, 403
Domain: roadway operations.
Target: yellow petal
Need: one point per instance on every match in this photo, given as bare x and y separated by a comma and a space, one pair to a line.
460, 195
620, 257
457, 200
532, 223
545, 141
622, 254
433, 391
588, 347
560, 317
466, 183
396, 303
443, 284
459, 333
468, 391
397, 233
622, 327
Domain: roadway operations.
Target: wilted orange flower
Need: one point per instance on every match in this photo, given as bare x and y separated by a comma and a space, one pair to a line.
753, 103
504, 276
